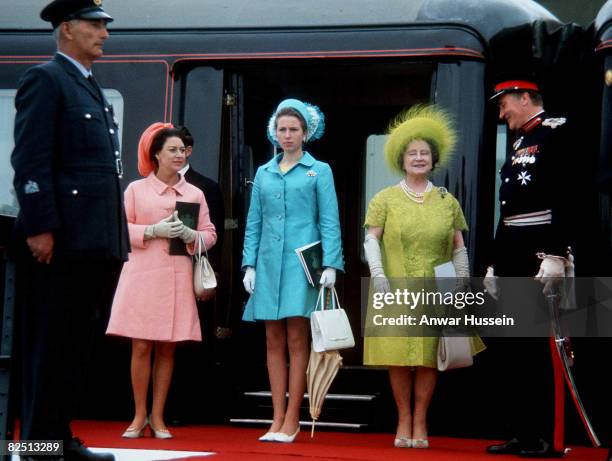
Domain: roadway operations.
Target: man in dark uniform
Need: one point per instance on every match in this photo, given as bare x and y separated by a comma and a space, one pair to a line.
71, 229
533, 220
212, 194
190, 381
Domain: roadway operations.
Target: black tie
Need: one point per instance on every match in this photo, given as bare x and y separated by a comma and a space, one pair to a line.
94, 85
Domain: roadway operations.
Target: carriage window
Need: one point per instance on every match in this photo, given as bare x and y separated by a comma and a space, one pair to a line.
500, 158
377, 175
8, 200
115, 98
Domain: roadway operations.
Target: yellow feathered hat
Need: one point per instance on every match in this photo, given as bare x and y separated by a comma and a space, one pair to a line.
429, 123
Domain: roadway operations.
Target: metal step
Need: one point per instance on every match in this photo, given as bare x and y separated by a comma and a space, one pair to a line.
302, 423
348, 397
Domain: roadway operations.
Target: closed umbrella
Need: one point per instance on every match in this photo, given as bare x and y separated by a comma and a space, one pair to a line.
322, 369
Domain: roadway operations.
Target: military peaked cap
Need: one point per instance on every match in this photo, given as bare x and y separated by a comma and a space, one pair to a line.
59, 11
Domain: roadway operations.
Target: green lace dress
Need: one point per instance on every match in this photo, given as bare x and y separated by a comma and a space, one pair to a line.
416, 238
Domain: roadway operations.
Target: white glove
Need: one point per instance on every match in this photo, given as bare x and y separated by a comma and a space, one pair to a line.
551, 273
374, 258
490, 283
167, 228
249, 280
551, 267
328, 277
187, 235
461, 262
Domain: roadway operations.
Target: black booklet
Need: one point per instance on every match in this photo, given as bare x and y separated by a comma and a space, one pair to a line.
311, 258
188, 212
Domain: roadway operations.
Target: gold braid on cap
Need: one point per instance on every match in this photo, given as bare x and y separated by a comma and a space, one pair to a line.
428, 123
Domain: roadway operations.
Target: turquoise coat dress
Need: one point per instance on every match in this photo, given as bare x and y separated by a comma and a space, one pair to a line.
288, 211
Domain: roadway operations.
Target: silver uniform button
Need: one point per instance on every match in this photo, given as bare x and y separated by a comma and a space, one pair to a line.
75, 192
503, 202
117, 154
106, 109
111, 131
87, 116
507, 179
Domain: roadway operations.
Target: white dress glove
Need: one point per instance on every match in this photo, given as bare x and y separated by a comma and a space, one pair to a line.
187, 234
551, 267
374, 258
249, 280
167, 228
490, 283
461, 262
328, 277
551, 273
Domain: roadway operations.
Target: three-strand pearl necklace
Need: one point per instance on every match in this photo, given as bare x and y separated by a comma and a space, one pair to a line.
418, 197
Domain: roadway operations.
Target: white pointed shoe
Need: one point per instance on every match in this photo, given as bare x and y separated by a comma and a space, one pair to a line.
268, 437
135, 433
286, 438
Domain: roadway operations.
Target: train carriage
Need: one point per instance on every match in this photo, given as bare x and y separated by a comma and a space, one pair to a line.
220, 68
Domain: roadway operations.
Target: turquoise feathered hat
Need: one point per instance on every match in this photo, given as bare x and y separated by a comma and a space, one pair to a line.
429, 123
315, 120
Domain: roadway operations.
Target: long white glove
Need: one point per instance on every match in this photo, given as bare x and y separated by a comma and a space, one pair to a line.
461, 262
249, 280
328, 277
374, 257
167, 228
490, 283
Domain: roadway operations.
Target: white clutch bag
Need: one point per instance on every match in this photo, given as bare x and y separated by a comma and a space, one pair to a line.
330, 328
454, 352
204, 280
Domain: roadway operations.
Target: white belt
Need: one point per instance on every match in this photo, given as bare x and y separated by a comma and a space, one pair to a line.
529, 219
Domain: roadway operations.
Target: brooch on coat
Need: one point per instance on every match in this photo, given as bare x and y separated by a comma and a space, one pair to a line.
311, 173
443, 191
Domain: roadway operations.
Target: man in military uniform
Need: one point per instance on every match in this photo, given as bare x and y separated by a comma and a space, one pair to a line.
71, 229
533, 220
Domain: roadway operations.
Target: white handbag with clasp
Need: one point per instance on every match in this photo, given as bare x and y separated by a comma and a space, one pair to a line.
330, 328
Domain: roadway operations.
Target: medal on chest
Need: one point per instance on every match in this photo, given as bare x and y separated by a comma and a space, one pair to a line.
526, 155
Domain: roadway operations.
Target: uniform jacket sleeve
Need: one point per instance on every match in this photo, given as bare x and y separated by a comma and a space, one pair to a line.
136, 231
252, 235
37, 104
329, 222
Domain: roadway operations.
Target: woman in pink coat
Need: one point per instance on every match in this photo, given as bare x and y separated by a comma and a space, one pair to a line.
154, 303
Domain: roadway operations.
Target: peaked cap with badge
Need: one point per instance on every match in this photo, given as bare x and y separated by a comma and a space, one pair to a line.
59, 11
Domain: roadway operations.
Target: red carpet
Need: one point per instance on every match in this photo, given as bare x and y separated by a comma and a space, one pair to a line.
241, 444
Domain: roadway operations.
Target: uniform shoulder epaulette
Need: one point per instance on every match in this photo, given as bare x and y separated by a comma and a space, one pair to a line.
554, 122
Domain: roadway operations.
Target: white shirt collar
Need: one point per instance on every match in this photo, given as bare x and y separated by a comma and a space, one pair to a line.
82, 69
183, 170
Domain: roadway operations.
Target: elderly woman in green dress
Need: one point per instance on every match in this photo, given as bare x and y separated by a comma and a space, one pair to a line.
411, 228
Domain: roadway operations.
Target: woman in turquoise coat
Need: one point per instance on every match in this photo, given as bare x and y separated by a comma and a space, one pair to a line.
293, 203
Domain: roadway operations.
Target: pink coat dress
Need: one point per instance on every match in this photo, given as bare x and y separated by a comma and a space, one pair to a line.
154, 298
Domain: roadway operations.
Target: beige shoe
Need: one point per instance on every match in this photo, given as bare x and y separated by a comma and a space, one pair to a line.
420, 443
135, 433
161, 433
403, 442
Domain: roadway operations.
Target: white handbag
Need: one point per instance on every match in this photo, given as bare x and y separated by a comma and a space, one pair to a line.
204, 280
454, 352
330, 328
